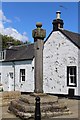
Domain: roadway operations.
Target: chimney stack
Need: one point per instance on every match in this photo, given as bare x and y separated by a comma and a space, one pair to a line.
10, 44
58, 22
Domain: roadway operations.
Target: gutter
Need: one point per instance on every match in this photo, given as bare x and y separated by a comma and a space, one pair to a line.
17, 60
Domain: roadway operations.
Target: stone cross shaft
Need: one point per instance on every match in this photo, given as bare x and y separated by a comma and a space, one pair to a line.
38, 35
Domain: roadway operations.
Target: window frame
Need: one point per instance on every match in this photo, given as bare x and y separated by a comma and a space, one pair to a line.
2, 55
22, 76
73, 75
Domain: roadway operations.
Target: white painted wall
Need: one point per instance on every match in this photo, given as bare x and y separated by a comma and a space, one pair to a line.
7, 67
0, 71
59, 52
28, 85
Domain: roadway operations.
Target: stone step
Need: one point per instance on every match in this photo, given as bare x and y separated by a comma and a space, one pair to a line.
47, 114
44, 99
31, 108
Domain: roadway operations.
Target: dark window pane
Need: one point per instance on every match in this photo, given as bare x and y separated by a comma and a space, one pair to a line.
22, 74
72, 79
23, 78
71, 71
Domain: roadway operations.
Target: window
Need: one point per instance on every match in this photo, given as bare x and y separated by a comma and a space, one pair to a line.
11, 75
1, 55
22, 74
71, 76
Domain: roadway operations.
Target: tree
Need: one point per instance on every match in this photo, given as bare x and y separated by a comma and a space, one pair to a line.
6, 39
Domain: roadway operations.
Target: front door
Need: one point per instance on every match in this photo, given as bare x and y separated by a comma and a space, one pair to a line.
71, 92
11, 82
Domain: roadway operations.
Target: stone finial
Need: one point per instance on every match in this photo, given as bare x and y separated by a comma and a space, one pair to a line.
39, 33
38, 24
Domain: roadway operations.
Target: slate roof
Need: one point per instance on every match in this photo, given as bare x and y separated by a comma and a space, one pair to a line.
74, 37
26, 52
20, 53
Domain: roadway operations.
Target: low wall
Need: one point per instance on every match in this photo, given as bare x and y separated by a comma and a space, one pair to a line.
7, 96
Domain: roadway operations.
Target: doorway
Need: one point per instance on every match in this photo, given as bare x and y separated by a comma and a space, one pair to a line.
71, 92
11, 82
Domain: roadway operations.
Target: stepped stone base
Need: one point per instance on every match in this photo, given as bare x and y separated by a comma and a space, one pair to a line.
24, 107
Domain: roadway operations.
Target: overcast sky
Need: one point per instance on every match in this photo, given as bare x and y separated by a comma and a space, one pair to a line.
19, 18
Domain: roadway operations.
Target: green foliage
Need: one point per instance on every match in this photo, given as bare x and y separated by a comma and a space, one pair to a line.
5, 39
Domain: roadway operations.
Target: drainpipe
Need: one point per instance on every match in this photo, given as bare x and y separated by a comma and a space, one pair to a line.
14, 74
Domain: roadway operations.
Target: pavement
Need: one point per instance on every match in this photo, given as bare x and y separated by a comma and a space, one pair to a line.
73, 105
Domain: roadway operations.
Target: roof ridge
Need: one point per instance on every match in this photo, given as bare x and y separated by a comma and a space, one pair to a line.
18, 46
69, 31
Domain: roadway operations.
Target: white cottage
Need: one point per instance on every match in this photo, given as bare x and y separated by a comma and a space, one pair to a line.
61, 64
62, 61
17, 69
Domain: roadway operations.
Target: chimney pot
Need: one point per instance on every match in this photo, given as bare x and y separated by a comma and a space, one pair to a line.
58, 13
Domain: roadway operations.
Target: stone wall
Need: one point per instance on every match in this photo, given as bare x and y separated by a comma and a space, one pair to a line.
6, 97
